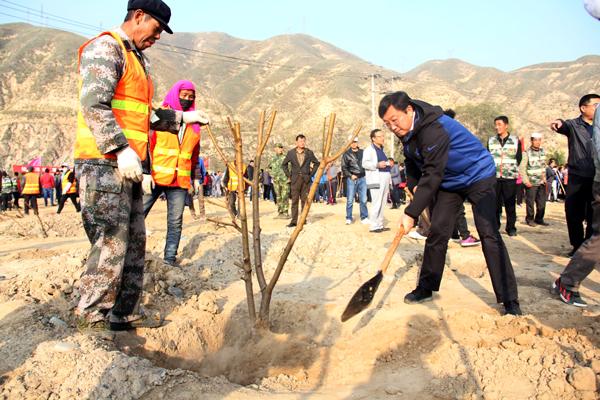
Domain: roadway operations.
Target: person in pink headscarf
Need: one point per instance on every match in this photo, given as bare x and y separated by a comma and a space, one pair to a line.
173, 158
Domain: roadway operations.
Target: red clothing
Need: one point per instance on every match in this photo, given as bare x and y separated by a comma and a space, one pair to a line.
47, 181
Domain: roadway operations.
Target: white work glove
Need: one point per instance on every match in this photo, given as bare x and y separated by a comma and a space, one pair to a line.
147, 184
130, 165
197, 116
67, 188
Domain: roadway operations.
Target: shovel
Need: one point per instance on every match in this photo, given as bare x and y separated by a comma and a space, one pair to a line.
364, 295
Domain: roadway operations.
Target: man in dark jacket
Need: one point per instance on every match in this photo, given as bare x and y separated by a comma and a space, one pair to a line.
448, 164
578, 202
354, 173
304, 164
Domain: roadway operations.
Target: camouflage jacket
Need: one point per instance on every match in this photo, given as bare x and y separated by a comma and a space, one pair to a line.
101, 68
507, 155
276, 168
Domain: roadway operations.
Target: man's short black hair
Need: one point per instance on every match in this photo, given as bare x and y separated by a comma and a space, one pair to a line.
373, 132
391, 159
400, 100
300, 136
130, 13
502, 118
585, 100
450, 112
46, 170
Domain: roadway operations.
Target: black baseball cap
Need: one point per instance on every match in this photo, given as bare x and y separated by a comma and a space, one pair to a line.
155, 8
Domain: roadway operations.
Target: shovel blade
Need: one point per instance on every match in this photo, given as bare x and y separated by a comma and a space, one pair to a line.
363, 297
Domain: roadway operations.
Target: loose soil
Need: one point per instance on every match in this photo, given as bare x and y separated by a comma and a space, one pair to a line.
459, 346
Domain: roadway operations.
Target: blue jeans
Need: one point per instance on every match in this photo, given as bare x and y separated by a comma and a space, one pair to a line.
175, 205
48, 193
358, 186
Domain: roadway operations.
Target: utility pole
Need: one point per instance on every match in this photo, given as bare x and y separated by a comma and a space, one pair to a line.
373, 101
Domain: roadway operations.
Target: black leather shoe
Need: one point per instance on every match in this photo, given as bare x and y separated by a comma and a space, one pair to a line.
543, 223
291, 225
512, 308
419, 295
512, 233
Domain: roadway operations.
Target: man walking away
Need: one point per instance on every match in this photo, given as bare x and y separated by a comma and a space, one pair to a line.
299, 165
31, 190
231, 182
578, 202
533, 172
47, 181
354, 173
377, 174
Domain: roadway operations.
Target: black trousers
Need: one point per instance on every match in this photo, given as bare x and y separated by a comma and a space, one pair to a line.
482, 197
6, 203
299, 193
395, 194
461, 229
63, 199
578, 208
506, 194
536, 195
31, 202
232, 202
587, 257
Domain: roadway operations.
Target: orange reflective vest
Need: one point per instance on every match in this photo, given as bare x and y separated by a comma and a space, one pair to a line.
131, 105
32, 183
172, 161
65, 182
232, 183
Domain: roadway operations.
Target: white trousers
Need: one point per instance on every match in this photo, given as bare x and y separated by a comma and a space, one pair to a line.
378, 201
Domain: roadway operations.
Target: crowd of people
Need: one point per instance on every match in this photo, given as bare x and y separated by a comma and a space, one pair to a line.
60, 186
129, 153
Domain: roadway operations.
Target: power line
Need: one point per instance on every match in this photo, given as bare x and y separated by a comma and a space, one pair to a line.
185, 50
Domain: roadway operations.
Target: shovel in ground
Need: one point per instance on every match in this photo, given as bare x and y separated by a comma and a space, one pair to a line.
364, 295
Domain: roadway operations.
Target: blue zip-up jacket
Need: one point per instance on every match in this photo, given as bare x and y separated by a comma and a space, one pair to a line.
440, 153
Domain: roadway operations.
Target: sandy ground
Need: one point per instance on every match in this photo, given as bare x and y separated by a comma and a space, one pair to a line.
457, 347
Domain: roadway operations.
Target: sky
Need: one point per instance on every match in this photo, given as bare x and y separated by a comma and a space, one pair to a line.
399, 34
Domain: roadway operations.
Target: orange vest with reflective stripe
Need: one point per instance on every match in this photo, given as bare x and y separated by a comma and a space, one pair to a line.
65, 182
172, 161
131, 105
32, 183
232, 183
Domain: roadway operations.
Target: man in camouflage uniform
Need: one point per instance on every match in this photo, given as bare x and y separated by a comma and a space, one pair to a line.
533, 172
110, 187
507, 154
280, 182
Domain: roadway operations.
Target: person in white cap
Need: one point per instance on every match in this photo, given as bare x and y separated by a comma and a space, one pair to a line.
533, 172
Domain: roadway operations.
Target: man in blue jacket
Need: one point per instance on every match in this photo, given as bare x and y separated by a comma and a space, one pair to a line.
446, 164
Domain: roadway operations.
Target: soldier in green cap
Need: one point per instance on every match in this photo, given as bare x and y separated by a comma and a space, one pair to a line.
280, 182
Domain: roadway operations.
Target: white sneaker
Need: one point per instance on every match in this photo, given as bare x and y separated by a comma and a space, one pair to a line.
365, 221
416, 235
348, 221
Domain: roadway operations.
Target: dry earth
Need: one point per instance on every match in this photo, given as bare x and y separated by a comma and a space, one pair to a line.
457, 347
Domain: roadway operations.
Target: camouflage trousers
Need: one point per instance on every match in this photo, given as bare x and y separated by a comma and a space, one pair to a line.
113, 218
282, 192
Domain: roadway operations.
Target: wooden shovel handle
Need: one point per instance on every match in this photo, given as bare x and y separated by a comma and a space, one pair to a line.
391, 250
425, 213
